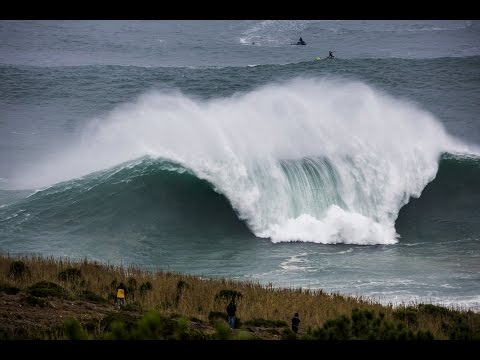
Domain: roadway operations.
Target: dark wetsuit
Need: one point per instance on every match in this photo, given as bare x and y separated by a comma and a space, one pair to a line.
295, 323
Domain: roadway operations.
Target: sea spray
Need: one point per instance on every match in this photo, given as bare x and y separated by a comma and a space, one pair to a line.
321, 160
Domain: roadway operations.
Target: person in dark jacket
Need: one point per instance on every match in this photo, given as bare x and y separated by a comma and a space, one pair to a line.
295, 323
231, 313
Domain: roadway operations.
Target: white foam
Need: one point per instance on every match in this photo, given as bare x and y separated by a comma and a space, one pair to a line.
338, 226
318, 160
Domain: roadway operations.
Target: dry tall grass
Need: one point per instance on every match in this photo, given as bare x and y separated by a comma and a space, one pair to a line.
197, 297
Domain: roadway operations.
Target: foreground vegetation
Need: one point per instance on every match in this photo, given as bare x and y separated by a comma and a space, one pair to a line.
46, 298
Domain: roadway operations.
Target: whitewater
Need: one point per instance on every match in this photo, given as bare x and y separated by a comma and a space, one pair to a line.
323, 160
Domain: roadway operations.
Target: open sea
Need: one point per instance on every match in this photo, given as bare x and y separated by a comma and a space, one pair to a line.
219, 149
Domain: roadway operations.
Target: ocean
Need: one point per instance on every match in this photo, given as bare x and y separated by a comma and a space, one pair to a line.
221, 149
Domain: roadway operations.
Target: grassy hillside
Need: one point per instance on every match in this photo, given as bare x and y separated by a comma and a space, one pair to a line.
47, 298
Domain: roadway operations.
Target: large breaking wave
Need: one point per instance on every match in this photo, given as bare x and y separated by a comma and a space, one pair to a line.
320, 160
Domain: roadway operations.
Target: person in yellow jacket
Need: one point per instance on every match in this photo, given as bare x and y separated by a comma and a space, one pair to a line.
121, 295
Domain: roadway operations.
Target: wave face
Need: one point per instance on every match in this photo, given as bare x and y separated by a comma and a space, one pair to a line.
317, 160
163, 200
146, 197
448, 208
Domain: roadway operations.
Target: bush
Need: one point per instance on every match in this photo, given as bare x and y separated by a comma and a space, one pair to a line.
45, 288
91, 325
288, 334
128, 321
131, 285
181, 329
69, 274
18, 269
92, 297
144, 287
408, 315
181, 286
228, 295
364, 325
118, 331
9, 290
34, 301
245, 335
464, 330
424, 335
153, 326
222, 331
434, 310
74, 330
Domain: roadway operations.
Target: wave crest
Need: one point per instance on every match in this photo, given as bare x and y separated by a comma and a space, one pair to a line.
320, 160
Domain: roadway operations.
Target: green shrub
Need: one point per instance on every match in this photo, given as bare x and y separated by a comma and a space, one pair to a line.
74, 330
128, 320
245, 335
462, 329
92, 297
34, 301
434, 310
408, 315
181, 330
91, 325
339, 329
364, 325
9, 290
118, 331
222, 331
424, 335
45, 288
361, 321
153, 326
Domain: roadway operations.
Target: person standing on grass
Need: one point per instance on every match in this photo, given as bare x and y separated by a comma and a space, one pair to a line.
121, 295
295, 323
231, 313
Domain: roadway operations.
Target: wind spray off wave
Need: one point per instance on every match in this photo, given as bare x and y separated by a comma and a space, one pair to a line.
327, 161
